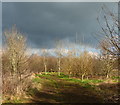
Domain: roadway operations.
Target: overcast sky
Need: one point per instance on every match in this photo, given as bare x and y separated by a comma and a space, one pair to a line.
45, 23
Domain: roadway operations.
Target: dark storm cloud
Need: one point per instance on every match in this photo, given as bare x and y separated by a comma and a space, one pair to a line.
44, 23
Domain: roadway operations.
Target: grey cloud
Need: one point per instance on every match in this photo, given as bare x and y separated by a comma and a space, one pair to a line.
43, 23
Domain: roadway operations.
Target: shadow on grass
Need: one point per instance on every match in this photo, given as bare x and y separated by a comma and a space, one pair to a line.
111, 92
65, 92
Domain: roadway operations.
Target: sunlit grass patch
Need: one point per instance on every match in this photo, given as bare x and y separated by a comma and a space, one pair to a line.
37, 80
63, 76
42, 75
14, 100
116, 81
92, 81
83, 81
116, 77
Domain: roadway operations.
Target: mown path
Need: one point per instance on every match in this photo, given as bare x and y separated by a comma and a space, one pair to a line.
58, 90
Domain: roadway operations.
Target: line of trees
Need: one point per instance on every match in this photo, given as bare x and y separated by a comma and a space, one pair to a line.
84, 66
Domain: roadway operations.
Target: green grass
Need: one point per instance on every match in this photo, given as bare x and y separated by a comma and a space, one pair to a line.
92, 81
52, 77
53, 82
117, 77
116, 81
37, 80
63, 76
83, 81
42, 75
15, 100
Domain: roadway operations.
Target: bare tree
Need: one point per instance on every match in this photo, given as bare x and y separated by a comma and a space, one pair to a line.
59, 51
86, 66
44, 53
18, 65
36, 61
107, 66
111, 42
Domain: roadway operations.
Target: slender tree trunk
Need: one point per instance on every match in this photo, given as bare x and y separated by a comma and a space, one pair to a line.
107, 76
59, 66
83, 76
45, 66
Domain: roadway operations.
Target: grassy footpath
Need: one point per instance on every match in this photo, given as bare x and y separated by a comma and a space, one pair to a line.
51, 88
62, 89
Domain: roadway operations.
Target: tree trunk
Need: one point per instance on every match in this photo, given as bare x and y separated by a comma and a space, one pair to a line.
83, 76
107, 76
45, 66
59, 67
